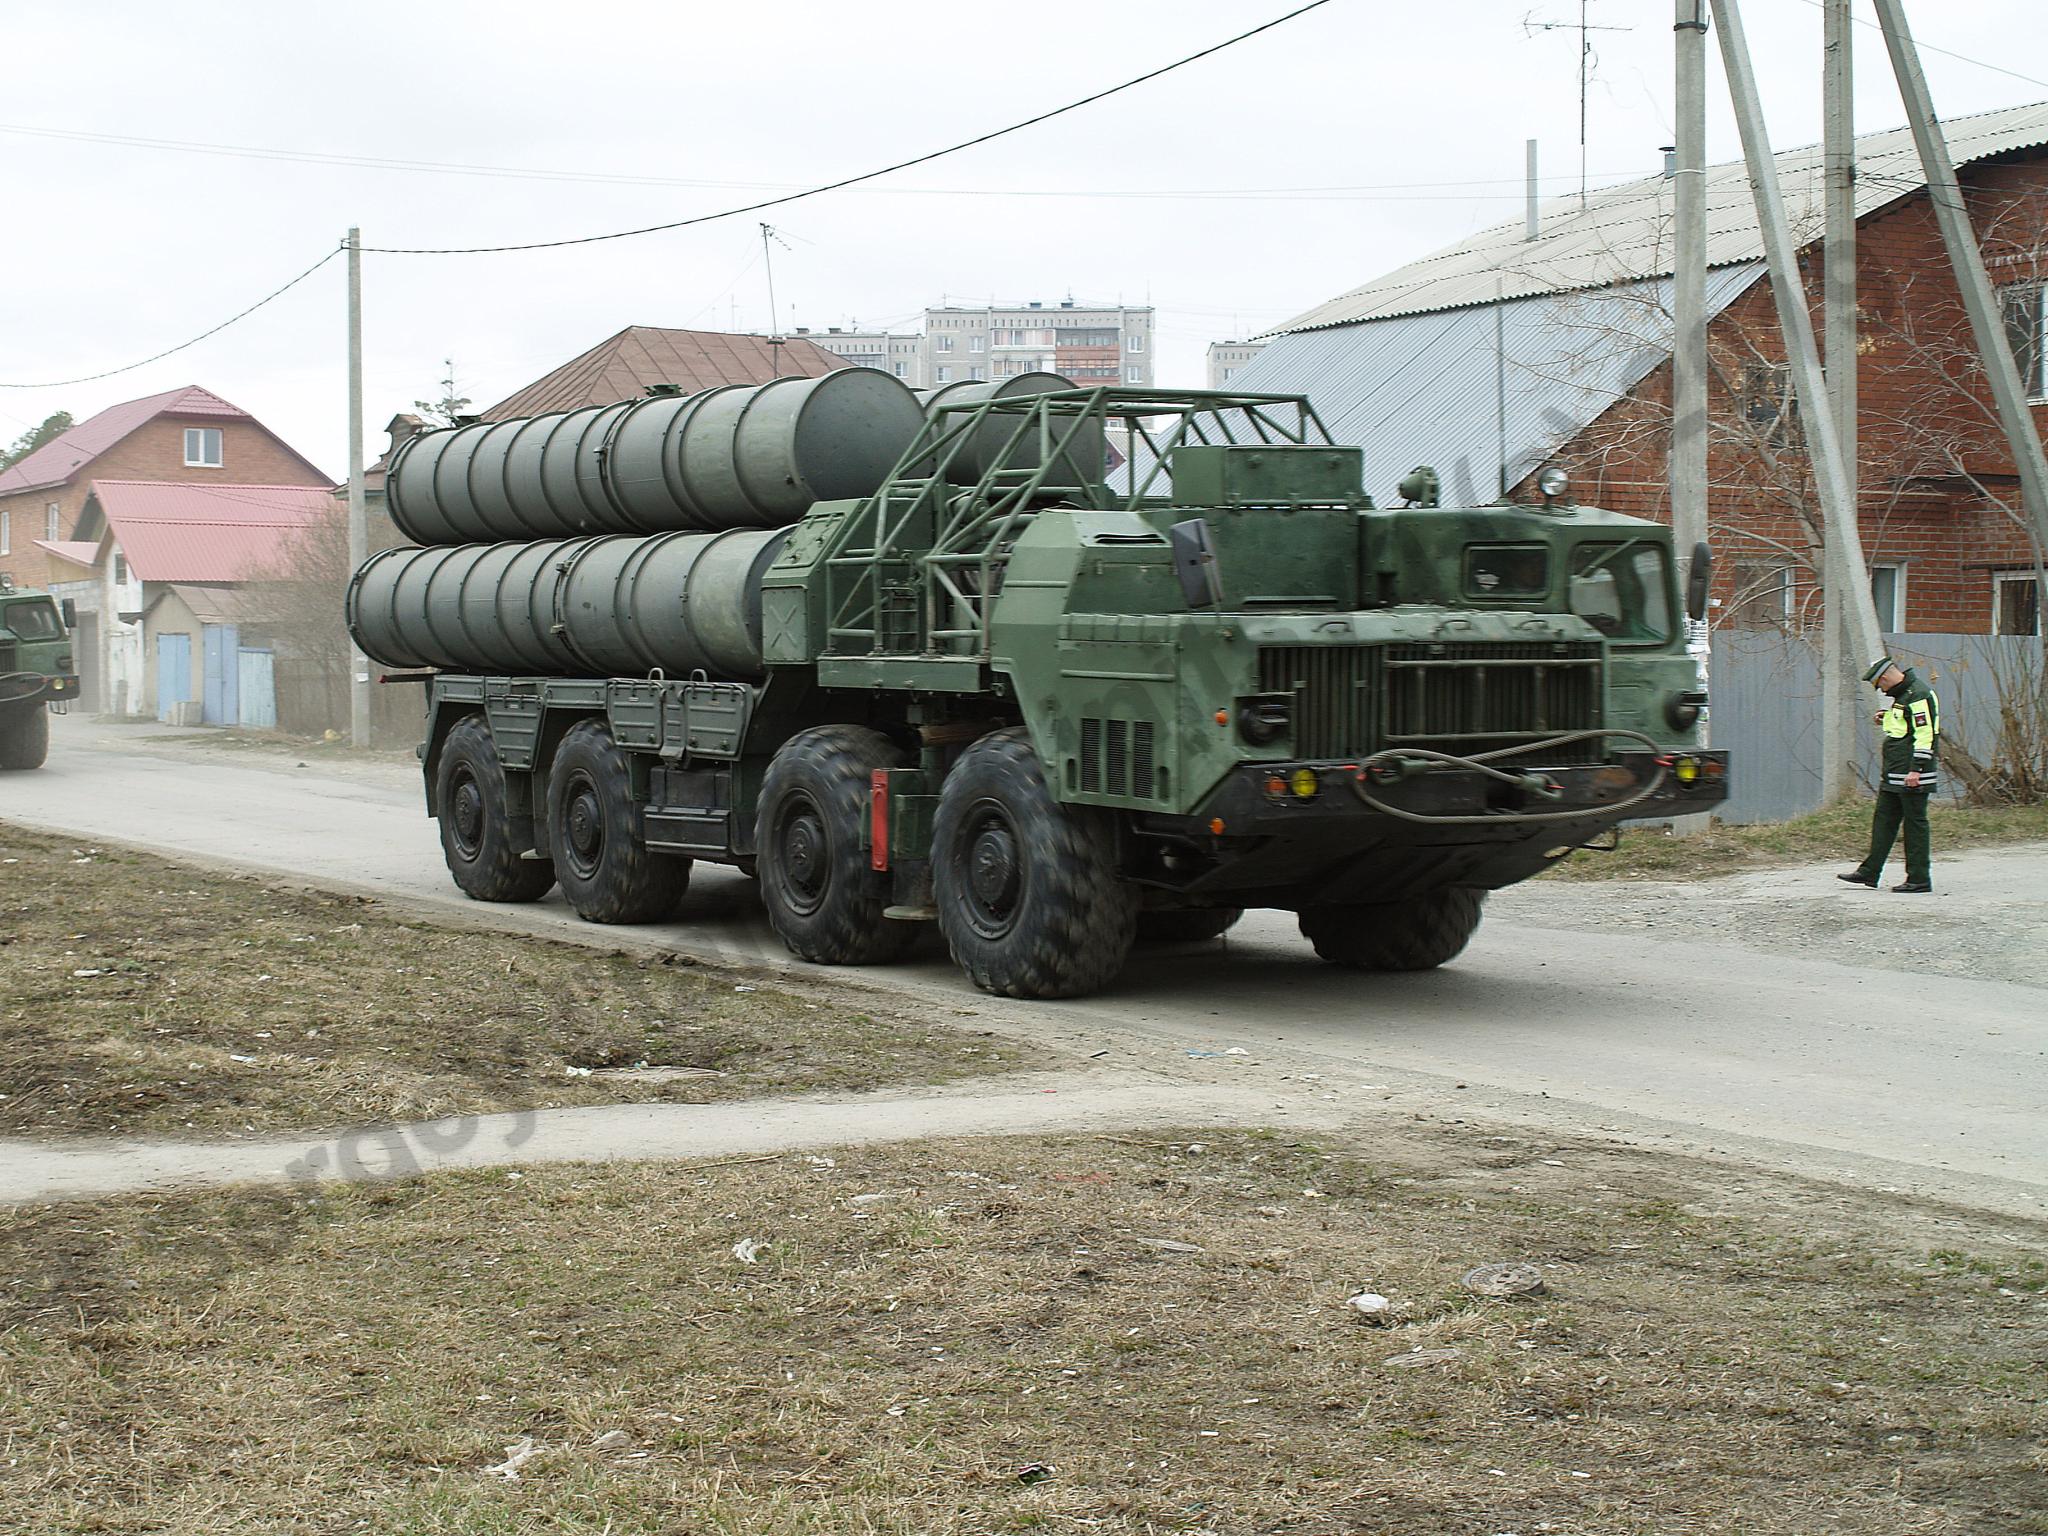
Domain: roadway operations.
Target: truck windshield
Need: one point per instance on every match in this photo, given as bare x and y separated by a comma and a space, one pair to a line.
1624, 590
35, 620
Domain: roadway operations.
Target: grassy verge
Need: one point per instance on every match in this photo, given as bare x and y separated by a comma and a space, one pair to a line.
140, 995
1095, 1334
1842, 832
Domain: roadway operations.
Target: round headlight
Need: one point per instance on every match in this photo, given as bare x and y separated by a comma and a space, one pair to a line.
1553, 482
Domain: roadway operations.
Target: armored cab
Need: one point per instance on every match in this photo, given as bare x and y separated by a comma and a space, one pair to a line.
1051, 697
38, 671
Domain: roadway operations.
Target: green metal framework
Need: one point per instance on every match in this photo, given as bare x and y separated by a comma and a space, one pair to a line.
911, 571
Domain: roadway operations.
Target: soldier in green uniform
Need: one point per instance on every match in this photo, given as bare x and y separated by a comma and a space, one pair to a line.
1911, 725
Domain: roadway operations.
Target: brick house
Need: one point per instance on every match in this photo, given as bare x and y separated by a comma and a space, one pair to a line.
188, 435
1504, 353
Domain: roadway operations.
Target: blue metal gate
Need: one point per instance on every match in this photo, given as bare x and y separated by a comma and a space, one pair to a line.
223, 674
173, 673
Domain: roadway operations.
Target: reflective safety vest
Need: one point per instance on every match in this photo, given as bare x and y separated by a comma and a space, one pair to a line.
1911, 727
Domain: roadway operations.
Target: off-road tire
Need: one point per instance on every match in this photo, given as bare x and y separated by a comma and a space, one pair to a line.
24, 735
823, 896
602, 861
1027, 889
476, 828
1415, 935
1187, 925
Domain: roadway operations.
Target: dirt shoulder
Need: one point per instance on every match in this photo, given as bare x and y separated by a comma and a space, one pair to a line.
138, 995
1120, 1334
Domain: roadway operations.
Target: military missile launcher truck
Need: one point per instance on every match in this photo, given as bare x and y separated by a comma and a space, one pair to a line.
37, 671
928, 660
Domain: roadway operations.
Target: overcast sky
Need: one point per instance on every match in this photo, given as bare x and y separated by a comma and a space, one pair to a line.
1231, 194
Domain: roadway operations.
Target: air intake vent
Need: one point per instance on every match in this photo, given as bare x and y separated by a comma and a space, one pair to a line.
1118, 758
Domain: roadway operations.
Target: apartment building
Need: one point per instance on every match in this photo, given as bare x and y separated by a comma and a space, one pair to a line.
1089, 343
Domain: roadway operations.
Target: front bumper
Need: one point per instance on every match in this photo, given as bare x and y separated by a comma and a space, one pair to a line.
1358, 837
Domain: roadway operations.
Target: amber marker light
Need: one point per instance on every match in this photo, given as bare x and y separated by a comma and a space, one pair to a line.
1223, 717
1216, 826
1276, 786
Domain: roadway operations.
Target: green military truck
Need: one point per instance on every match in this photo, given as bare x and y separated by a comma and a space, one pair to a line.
38, 672
918, 661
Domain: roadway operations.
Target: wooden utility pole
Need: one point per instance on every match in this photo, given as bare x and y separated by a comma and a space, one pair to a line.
1788, 293
1840, 672
358, 510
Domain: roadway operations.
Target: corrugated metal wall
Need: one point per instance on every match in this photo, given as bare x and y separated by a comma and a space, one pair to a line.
1766, 710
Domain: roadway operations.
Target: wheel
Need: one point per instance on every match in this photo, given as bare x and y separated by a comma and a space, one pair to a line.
1187, 925
824, 898
476, 827
24, 735
602, 860
1416, 935
1027, 888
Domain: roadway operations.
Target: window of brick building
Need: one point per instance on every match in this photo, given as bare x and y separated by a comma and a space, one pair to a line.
202, 447
1768, 404
6, 532
1888, 596
1762, 598
2022, 306
2015, 604
53, 520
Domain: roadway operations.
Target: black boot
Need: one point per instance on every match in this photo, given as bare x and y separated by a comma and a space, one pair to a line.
1915, 887
1857, 877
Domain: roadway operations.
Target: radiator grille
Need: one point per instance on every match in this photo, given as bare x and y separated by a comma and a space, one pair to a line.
1118, 757
1353, 700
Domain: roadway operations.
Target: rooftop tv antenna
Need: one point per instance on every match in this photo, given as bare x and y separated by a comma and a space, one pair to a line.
1588, 62
770, 234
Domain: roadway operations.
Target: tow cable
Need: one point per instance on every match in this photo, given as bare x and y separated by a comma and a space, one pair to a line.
1529, 783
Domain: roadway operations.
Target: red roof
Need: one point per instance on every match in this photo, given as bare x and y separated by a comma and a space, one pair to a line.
77, 551
208, 533
622, 366
59, 459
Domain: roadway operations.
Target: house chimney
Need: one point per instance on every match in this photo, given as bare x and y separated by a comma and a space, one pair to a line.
403, 427
1529, 210
1670, 153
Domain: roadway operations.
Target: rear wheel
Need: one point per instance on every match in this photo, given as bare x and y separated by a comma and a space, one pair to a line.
24, 735
823, 895
476, 824
1187, 925
1027, 889
601, 857
1416, 935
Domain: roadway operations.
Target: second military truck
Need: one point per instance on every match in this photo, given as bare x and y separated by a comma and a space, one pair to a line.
929, 660
38, 671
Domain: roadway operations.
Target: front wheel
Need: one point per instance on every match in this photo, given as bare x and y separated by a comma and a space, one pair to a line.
476, 821
24, 735
824, 897
601, 855
1416, 935
1027, 888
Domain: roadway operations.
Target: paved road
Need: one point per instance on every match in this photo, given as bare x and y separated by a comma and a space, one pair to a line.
1684, 1035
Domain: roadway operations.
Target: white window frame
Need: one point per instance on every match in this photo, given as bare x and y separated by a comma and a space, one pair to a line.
1134, 343
2033, 361
197, 441
6, 531
977, 344
1134, 374
1998, 580
945, 374
1893, 623
945, 343
53, 520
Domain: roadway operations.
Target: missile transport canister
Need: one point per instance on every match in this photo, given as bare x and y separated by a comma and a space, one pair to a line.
950, 659
38, 671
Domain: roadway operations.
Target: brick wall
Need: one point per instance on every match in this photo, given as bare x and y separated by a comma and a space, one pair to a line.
250, 455
1933, 463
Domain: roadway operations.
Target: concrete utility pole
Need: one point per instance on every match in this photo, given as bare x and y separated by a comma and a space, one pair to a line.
1687, 471
1839, 673
1788, 292
358, 511
1979, 302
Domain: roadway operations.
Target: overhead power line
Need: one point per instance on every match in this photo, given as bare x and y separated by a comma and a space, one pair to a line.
849, 181
181, 346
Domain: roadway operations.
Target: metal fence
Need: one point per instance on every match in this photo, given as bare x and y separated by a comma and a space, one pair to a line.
1766, 713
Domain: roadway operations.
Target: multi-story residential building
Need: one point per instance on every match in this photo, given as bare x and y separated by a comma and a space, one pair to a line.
1226, 357
1089, 343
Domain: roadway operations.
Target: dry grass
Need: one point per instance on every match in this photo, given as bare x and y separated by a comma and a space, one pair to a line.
271, 1362
1841, 833
140, 995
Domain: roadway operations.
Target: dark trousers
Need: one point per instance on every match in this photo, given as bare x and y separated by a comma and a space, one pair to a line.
1896, 807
